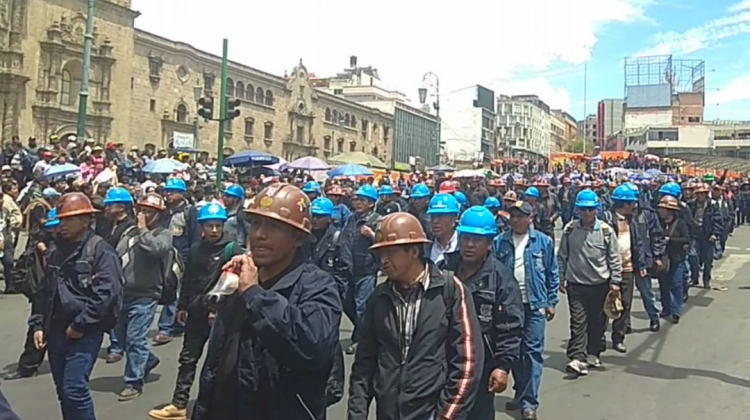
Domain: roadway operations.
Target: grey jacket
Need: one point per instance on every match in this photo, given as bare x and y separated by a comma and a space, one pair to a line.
144, 256
589, 257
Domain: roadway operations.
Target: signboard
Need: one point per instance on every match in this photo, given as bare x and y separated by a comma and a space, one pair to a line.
183, 140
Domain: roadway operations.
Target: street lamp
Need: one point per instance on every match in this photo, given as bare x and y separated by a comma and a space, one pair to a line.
430, 80
197, 95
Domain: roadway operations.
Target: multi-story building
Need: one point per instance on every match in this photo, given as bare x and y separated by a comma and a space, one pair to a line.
609, 121
468, 124
524, 123
142, 89
414, 133
587, 128
563, 129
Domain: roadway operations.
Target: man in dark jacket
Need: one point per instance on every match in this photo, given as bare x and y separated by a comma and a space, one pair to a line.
82, 302
497, 298
707, 218
424, 371
202, 271
273, 343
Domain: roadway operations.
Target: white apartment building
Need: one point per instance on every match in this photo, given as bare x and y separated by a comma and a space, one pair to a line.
523, 123
468, 124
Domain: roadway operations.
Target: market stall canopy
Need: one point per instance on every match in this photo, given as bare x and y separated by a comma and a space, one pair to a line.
360, 158
441, 168
716, 163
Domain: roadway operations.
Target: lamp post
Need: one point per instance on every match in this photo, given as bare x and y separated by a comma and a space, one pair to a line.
430, 80
83, 93
197, 95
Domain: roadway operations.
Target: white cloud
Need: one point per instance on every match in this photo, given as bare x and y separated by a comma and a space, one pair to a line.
732, 91
465, 43
556, 97
702, 37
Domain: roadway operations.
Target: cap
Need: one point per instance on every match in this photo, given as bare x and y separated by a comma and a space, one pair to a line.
522, 207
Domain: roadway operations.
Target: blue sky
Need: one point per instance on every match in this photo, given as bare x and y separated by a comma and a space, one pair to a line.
511, 46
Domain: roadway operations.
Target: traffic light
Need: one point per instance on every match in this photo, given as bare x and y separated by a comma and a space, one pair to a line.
206, 108
233, 109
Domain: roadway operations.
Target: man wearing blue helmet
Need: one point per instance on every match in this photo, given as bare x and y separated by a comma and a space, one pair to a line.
236, 227
418, 202
387, 203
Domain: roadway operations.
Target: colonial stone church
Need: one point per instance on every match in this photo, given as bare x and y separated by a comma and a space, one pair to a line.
142, 89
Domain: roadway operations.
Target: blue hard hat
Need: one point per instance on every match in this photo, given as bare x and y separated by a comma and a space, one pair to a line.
531, 192
420, 191
212, 212
492, 203
461, 198
587, 199
235, 191
444, 204
312, 187
672, 189
477, 220
118, 195
632, 186
52, 220
385, 190
624, 193
322, 207
367, 191
175, 184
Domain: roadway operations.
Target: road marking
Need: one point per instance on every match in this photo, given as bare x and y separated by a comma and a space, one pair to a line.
728, 267
734, 248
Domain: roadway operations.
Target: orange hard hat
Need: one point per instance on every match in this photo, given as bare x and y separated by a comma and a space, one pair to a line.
399, 229
74, 204
154, 201
285, 203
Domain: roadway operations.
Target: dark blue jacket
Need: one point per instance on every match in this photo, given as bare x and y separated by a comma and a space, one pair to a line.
334, 259
88, 303
363, 259
284, 340
637, 247
649, 227
712, 222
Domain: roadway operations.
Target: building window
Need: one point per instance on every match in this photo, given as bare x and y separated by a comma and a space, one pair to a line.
152, 105
328, 114
268, 131
269, 98
249, 127
65, 91
260, 97
230, 87
250, 93
326, 142
340, 146
300, 134
354, 122
336, 117
352, 146
181, 113
347, 120
386, 131
694, 119
208, 81
374, 151
155, 63
71, 83
228, 126
338, 91
239, 90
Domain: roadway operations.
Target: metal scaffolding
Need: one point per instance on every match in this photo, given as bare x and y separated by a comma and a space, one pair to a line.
684, 76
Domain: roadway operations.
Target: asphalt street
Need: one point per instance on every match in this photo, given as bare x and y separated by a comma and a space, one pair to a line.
694, 370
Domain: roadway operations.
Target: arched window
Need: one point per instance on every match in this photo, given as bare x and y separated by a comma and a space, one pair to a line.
250, 93
328, 114
260, 97
239, 89
375, 151
353, 146
65, 90
230, 87
335, 117
353, 121
346, 120
269, 98
71, 83
181, 113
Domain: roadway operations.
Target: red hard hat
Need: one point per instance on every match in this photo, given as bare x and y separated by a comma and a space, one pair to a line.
447, 187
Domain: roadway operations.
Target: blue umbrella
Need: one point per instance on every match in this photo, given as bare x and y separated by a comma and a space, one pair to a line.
350, 169
61, 170
164, 166
251, 158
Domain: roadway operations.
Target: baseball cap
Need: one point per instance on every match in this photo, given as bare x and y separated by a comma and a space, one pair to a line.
521, 206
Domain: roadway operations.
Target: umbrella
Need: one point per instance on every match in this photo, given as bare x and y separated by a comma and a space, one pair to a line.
61, 170
164, 166
654, 172
308, 163
251, 158
360, 158
442, 168
469, 173
350, 169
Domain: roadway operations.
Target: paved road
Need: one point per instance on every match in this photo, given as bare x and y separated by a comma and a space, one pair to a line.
693, 370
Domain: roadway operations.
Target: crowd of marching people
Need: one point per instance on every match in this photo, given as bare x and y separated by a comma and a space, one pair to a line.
258, 276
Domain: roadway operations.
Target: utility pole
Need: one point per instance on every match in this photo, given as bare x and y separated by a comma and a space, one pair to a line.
83, 95
585, 117
222, 115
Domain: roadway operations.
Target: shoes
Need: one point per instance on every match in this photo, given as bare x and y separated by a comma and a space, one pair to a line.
620, 347
528, 414
129, 394
151, 367
654, 326
20, 374
113, 358
512, 405
675, 319
162, 339
168, 412
351, 349
577, 367
593, 361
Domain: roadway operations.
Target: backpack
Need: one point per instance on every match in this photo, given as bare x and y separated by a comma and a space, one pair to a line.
606, 230
448, 298
112, 314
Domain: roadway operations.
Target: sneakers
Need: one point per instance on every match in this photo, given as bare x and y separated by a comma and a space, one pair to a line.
162, 339
620, 347
129, 394
528, 414
168, 412
113, 358
593, 361
577, 367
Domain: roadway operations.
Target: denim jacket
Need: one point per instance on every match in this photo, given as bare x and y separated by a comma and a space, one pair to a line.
543, 277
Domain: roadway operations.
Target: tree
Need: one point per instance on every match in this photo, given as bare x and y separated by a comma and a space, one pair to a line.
577, 147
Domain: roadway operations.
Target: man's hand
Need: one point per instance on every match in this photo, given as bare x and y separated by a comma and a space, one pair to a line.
39, 340
712, 239
366, 232
41, 247
498, 381
141, 218
245, 268
182, 317
549, 313
72, 334
643, 272
562, 287
614, 288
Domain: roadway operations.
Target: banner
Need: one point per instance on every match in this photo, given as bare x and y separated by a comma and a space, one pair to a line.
183, 140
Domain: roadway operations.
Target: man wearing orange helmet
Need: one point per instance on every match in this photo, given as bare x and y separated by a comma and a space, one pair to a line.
407, 360
83, 302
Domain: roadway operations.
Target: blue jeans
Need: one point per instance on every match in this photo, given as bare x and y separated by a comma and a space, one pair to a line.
359, 290
527, 373
71, 363
114, 343
643, 284
134, 324
671, 289
168, 324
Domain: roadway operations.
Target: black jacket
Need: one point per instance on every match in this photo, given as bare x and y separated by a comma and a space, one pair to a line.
649, 228
679, 239
203, 269
442, 371
334, 259
499, 306
712, 222
363, 260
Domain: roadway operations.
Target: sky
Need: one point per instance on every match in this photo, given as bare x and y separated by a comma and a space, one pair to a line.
570, 53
